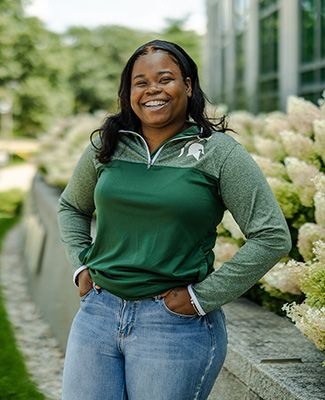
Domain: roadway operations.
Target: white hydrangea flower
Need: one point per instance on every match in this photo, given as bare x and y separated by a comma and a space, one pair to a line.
258, 127
224, 251
321, 103
310, 321
319, 251
301, 114
284, 277
274, 123
242, 122
246, 140
270, 148
216, 111
80, 131
319, 130
62, 146
286, 194
319, 182
302, 174
319, 201
231, 225
308, 234
270, 168
299, 146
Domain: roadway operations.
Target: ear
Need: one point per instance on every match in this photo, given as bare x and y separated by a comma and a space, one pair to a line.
188, 84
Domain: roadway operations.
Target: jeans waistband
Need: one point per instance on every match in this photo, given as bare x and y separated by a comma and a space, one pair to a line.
98, 290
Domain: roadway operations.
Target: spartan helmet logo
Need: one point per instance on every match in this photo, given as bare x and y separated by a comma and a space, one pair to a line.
194, 149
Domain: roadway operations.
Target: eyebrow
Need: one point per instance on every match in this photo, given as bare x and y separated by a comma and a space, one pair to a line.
161, 72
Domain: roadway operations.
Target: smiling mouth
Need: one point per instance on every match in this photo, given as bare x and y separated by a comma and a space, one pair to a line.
154, 104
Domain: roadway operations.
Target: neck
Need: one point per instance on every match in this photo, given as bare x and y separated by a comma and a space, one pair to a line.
156, 136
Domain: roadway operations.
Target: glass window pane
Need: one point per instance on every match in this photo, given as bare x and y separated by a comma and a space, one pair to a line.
240, 100
308, 25
269, 43
322, 76
269, 103
269, 86
308, 77
322, 28
268, 95
263, 4
240, 57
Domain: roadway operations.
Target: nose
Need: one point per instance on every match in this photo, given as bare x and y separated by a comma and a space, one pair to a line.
153, 88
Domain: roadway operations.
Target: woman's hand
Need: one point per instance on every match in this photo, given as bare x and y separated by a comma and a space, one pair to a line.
85, 282
178, 300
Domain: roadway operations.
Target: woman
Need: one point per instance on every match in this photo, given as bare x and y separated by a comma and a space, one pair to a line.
160, 176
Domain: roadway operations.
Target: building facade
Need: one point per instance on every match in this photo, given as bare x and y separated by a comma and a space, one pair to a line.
261, 51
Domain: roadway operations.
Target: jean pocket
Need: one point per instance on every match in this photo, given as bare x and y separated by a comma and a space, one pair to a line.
83, 298
176, 314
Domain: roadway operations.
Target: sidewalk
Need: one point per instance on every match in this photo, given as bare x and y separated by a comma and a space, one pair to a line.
17, 176
43, 357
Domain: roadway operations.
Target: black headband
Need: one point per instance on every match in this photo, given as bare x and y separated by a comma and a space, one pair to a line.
173, 50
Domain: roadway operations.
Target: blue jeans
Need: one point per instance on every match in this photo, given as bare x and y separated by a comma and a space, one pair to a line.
141, 350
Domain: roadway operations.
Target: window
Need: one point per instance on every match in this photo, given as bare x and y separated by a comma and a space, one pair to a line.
222, 44
240, 8
268, 83
265, 4
312, 54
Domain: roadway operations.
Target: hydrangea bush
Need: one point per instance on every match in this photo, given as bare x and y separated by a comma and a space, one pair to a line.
290, 150
62, 145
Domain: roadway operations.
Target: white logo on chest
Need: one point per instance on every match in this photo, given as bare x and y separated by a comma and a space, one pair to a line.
194, 149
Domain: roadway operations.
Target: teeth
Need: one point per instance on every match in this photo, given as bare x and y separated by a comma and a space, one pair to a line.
155, 103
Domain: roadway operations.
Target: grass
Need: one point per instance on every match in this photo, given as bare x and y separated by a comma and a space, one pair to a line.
15, 382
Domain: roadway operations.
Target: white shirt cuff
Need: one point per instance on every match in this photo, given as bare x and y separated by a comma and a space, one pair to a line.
195, 300
76, 273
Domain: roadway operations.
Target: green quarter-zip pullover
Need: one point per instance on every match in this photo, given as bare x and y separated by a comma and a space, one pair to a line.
157, 213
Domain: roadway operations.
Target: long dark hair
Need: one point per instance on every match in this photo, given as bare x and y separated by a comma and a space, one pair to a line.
127, 119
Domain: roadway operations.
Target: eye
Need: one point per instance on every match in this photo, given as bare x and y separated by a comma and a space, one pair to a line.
166, 79
140, 83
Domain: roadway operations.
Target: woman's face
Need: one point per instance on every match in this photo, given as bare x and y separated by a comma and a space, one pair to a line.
159, 94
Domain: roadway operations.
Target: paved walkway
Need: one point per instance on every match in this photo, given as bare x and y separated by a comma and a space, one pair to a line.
16, 176
43, 357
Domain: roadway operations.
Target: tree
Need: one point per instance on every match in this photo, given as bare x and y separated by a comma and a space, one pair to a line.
98, 59
49, 75
190, 40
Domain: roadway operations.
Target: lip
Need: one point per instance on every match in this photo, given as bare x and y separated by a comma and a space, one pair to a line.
155, 104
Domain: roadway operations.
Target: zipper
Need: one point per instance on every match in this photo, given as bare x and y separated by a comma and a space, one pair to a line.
152, 160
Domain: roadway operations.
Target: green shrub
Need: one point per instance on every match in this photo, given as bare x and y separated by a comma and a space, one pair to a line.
11, 202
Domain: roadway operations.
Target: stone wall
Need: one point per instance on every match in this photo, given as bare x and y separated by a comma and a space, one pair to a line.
267, 358
49, 273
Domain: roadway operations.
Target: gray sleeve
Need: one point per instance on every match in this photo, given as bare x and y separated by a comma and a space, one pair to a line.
76, 207
247, 195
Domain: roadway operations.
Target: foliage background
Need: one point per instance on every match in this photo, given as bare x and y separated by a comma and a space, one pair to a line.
49, 75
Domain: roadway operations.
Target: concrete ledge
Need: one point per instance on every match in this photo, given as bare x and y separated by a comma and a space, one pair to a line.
49, 273
268, 358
